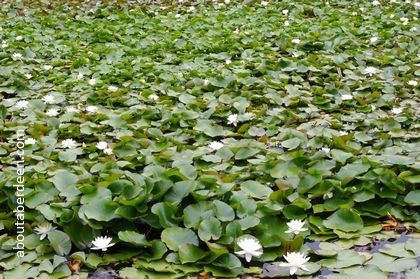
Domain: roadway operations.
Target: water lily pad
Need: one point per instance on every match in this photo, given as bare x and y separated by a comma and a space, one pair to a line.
345, 220
174, 237
189, 253
344, 259
65, 182
350, 171
223, 211
413, 197
166, 213
210, 229
60, 242
246, 152
256, 189
133, 238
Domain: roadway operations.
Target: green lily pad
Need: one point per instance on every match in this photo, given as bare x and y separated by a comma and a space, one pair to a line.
189, 253
174, 237
256, 189
345, 220
413, 198
210, 229
133, 238
60, 242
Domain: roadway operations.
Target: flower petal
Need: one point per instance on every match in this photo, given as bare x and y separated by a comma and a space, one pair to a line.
248, 257
293, 270
304, 267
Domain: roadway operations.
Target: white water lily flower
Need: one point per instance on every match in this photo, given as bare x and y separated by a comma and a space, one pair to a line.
228, 61
22, 104
43, 230
347, 97
91, 109
177, 15
285, 12
328, 195
102, 243
264, 3
249, 114
412, 83
326, 150
370, 70
19, 38
30, 141
191, 8
233, 119
69, 143
17, 56
397, 110
404, 20
72, 109
47, 67
295, 261
343, 133
102, 145
48, 99
250, 248
112, 88
354, 13
376, 3
286, 23
296, 41
153, 97
296, 226
92, 81
52, 112
108, 151
4, 44
373, 40
216, 145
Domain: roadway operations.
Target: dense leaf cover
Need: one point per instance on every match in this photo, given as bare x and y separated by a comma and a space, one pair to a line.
178, 128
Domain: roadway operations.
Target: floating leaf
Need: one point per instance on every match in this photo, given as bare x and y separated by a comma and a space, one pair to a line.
174, 237
65, 182
60, 242
245, 153
413, 198
210, 229
345, 220
189, 253
350, 171
223, 211
133, 238
256, 189
166, 213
